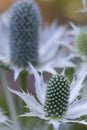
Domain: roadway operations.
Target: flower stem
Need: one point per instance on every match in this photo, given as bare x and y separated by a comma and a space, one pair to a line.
10, 101
23, 80
23, 84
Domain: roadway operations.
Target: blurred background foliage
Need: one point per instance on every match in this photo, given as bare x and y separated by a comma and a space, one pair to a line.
62, 10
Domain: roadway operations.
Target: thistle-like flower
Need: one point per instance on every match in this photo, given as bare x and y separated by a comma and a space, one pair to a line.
58, 100
23, 41
82, 44
24, 34
78, 47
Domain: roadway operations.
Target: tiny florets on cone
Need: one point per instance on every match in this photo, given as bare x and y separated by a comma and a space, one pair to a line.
57, 95
82, 43
24, 33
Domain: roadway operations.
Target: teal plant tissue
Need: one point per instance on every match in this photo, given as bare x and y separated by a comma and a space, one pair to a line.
24, 33
57, 95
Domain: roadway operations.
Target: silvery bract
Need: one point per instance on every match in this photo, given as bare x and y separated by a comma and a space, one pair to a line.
79, 50
4, 119
81, 46
58, 101
46, 51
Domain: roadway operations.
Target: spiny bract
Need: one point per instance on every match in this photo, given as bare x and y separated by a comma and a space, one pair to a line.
24, 33
82, 44
57, 95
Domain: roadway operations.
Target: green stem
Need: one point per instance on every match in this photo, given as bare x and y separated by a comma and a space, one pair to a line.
10, 101
23, 80
23, 84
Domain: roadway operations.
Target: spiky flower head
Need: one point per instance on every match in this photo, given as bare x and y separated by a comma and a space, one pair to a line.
24, 33
82, 44
57, 100
57, 95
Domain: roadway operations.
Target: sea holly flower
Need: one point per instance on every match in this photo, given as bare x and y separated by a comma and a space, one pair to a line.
23, 40
81, 45
78, 47
58, 101
24, 34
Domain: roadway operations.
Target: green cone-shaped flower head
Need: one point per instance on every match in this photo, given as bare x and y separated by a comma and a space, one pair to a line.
82, 43
24, 30
57, 95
